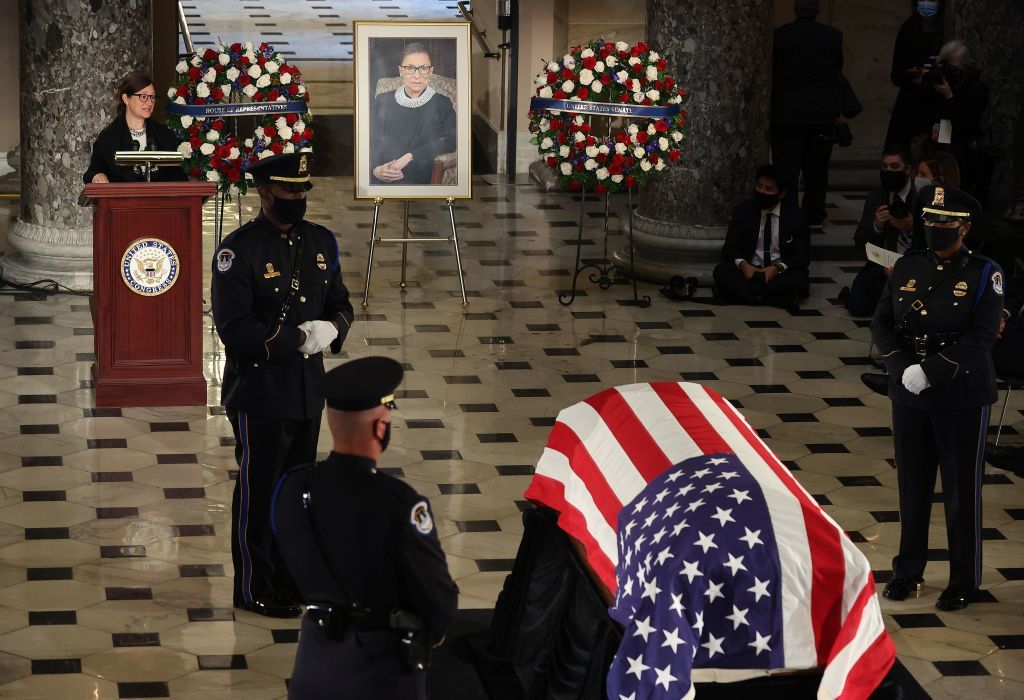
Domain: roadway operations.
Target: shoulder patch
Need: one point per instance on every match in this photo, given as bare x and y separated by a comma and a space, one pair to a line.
997, 282
420, 518
225, 259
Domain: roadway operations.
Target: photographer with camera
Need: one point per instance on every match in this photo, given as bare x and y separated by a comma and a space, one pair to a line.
888, 222
917, 44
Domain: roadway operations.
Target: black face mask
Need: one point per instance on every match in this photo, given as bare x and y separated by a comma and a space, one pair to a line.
289, 211
939, 238
892, 180
766, 201
386, 439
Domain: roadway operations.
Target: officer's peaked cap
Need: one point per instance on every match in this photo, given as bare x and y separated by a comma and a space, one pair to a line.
363, 384
941, 204
289, 169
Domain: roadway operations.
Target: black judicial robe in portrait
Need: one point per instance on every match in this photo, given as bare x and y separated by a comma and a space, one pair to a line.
426, 131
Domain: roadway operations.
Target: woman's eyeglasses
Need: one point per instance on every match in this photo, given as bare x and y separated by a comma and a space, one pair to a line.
143, 97
413, 70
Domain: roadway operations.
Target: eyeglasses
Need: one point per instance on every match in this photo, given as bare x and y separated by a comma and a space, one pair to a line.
412, 70
144, 97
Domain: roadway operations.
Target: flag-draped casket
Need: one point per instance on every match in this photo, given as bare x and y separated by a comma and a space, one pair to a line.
722, 565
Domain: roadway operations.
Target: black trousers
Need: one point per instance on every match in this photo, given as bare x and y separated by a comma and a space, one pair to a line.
800, 149
731, 285
361, 665
866, 290
953, 441
264, 448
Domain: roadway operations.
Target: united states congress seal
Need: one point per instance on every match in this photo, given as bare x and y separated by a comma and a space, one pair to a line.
149, 266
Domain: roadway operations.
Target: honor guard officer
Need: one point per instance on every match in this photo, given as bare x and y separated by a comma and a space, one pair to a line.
278, 303
935, 326
364, 553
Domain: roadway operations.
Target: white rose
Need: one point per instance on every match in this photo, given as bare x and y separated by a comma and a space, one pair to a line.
254, 71
579, 136
195, 60
617, 179
638, 152
249, 90
226, 89
652, 73
233, 155
206, 149
568, 86
546, 143
248, 143
566, 168
544, 124
654, 95
302, 89
271, 66
281, 98
586, 76
599, 67
182, 67
587, 53
213, 175
611, 61
645, 165
210, 75
289, 148
186, 121
660, 165
633, 60
622, 76
541, 80
247, 46
651, 131
579, 120
621, 46
592, 151
286, 78
300, 126
224, 59
663, 143
545, 92
590, 164
203, 90
248, 176
212, 135
603, 148
620, 148
280, 123
653, 57
185, 149
632, 129
263, 81
602, 173
575, 98
285, 133
568, 61
677, 136
219, 47
265, 154
553, 67
677, 99
179, 100
171, 92
596, 87
232, 73
563, 151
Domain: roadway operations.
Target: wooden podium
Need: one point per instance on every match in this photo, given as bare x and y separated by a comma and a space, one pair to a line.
147, 304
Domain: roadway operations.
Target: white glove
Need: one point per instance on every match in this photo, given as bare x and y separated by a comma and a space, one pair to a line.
915, 380
319, 335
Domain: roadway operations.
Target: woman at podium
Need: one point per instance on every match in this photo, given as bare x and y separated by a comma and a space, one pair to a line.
133, 129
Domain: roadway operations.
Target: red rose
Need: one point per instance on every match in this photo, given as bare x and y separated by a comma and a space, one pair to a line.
583, 93
602, 158
257, 97
585, 128
559, 94
661, 126
234, 175
674, 154
617, 159
604, 52
215, 162
589, 62
659, 85
264, 46
277, 147
628, 83
562, 138
643, 82
236, 48
654, 158
261, 60
244, 80
567, 74
269, 132
217, 93
195, 142
641, 137
274, 94
574, 185
285, 68
218, 68
218, 124
552, 161
623, 55
643, 47
606, 79
194, 73
600, 189
636, 50
624, 97
243, 62
182, 91
638, 68
647, 101
194, 172
662, 65
552, 77
591, 141
209, 54
615, 169
194, 129
291, 118
669, 83
630, 160
629, 181
199, 101
609, 46
307, 133
293, 89
296, 137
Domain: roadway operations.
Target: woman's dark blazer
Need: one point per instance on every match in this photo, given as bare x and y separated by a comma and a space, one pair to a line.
116, 137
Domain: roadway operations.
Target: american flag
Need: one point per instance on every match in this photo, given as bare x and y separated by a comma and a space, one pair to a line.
813, 602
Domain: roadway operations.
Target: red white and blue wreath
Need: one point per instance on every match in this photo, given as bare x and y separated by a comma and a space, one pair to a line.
237, 80
615, 80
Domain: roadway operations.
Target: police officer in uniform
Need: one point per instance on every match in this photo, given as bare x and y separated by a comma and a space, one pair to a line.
364, 552
278, 304
935, 326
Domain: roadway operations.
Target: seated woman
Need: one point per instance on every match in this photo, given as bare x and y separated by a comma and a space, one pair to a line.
136, 97
411, 125
938, 168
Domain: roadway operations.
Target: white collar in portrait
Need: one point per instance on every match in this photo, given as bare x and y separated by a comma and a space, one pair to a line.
414, 102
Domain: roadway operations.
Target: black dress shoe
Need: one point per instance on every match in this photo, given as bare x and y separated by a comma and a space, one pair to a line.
273, 607
955, 598
878, 383
900, 587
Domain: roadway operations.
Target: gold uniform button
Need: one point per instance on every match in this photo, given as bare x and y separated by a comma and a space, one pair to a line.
302, 299
305, 355
938, 267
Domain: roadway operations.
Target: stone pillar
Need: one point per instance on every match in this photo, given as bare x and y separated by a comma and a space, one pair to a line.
721, 52
993, 29
73, 54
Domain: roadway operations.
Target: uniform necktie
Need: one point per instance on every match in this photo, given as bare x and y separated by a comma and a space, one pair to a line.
766, 255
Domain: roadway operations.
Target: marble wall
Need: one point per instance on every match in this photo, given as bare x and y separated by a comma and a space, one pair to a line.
9, 119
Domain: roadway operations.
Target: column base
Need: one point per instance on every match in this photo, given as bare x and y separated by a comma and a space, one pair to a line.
42, 252
663, 249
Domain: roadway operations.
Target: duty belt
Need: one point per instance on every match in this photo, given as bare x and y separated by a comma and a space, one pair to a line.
927, 345
335, 620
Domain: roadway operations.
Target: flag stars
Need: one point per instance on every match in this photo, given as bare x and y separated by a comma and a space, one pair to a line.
683, 490
715, 461
665, 677
661, 496
677, 604
651, 591
699, 624
701, 473
637, 665
643, 629
690, 571
712, 487
671, 510
640, 505
643, 538
759, 589
705, 542
629, 527
714, 591
680, 526
723, 516
728, 475
672, 639
714, 645
694, 505
649, 520
751, 538
734, 564
738, 617
760, 643
627, 587
740, 496
664, 555
656, 539
671, 478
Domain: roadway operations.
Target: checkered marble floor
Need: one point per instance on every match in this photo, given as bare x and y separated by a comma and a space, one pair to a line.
114, 555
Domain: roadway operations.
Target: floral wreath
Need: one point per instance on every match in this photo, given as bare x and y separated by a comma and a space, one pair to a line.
615, 76
232, 74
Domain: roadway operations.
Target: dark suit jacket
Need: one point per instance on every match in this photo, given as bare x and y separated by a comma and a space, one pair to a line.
807, 61
745, 227
116, 137
866, 232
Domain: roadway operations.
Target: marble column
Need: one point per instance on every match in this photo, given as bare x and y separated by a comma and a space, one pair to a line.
721, 52
73, 54
993, 30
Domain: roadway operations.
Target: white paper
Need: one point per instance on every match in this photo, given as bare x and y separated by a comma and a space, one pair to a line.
945, 131
885, 258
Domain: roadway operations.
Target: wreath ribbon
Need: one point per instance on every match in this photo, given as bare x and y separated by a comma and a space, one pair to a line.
607, 109
238, 109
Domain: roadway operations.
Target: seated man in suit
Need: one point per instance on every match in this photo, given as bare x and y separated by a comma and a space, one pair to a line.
1008, 357
767, 248
888, 222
